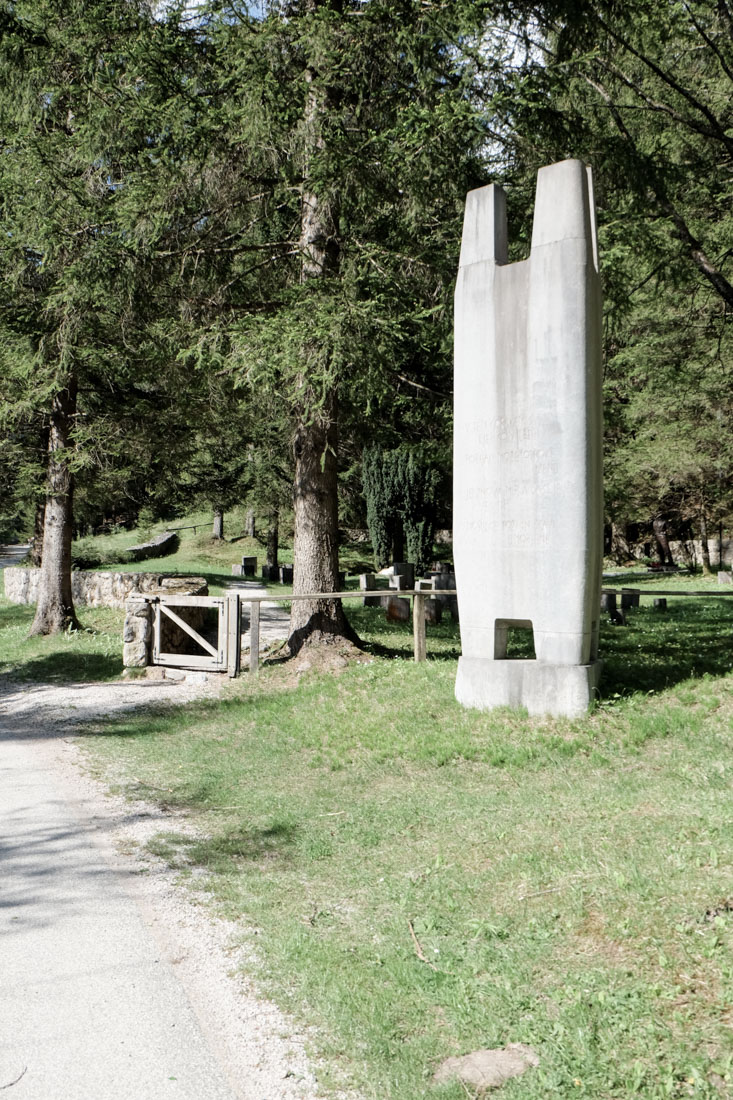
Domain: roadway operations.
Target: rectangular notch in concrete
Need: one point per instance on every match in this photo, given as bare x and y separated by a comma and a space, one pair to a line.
514, 640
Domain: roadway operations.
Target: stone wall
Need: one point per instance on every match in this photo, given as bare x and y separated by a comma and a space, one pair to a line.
137, 634
158, 547
102, 589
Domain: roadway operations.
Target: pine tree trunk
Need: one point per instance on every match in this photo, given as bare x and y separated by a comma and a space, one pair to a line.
315, 549
315, 488
36, 550
250, 528
272, 547
217, 531
664, 552
55, 609
704, 545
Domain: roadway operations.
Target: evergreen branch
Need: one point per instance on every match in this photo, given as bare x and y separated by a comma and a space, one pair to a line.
655, 105
425, 389
694, 247
725, 13
670, 81
711, 42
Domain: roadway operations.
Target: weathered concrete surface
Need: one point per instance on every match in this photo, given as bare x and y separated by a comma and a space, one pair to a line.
527, 447
541, 688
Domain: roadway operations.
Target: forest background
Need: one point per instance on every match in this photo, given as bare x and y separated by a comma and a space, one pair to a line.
230, 238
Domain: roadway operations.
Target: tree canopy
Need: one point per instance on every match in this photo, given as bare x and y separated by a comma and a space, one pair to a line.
231, 235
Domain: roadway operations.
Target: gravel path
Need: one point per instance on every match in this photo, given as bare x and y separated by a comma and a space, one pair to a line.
113, 982
274, 620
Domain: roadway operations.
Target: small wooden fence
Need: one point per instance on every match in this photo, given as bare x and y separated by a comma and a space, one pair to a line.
419, 639
224, 654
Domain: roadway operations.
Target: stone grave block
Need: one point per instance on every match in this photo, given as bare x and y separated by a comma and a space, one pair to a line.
433, 612
724, 577
286, 574
270, 573
398, 609
449, 604
400, 582
237, 570
367, 583
404, 570
433, 608
527, 498
249, 566
608, 604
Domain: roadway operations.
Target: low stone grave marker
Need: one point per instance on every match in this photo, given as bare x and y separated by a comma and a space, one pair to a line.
398, 609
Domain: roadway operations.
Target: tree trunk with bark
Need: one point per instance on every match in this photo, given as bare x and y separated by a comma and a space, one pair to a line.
272, 545
664, 553
315, 444
36, 550
315, 549
55, 609
704, 545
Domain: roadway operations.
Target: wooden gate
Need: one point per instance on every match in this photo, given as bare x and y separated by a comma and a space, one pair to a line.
212, 650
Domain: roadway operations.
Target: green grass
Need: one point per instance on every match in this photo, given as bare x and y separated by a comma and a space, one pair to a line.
569, 882
92, 653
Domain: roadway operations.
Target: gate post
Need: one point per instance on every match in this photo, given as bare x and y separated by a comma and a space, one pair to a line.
254, 635
234, 635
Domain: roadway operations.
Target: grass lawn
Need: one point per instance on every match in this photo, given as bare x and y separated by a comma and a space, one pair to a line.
419, 880
92, 653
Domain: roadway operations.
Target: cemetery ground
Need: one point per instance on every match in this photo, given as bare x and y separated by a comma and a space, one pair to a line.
417, 880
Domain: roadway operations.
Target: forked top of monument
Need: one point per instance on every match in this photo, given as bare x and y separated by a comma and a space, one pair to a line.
564, 210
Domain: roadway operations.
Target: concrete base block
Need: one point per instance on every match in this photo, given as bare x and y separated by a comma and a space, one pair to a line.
559, 690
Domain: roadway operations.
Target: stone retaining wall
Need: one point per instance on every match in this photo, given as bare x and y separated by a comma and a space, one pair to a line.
102, 589
159, 547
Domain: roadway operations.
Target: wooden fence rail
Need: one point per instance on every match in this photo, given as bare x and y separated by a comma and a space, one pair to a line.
664, 592
418, 609
419, 638
419, 596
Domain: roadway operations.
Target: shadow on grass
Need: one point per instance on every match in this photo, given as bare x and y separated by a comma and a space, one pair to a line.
63, 668
14, 614
226, 851
657, 649
393, 641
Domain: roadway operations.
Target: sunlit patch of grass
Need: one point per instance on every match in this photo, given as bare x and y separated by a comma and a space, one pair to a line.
425, 880
566, 882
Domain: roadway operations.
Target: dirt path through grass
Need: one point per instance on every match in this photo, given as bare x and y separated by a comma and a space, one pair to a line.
114, 983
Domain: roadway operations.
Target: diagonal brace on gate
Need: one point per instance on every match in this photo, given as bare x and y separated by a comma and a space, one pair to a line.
189, 629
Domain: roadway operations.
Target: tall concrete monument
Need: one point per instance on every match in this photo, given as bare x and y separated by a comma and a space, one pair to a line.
527, 497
